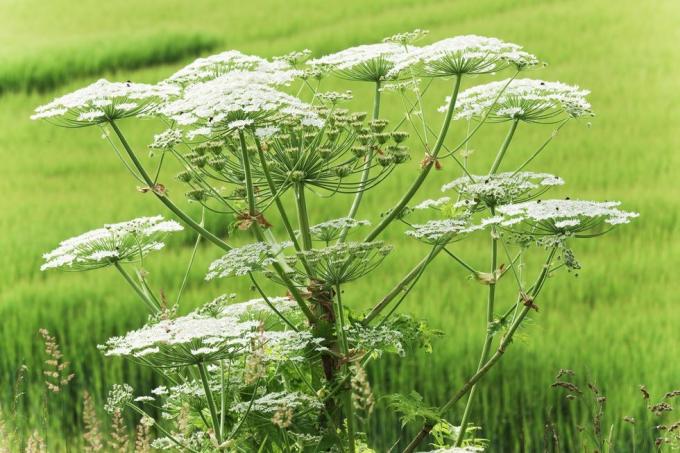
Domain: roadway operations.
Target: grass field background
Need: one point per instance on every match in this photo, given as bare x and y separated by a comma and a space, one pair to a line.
616, 324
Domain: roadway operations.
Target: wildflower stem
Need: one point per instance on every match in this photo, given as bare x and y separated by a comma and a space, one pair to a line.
258, 233
401, 286
349, 409
489, 333
460, 261
542, 147
277, 199
211, 401
268, 302
163, 198
396, 211
223, 397
303, 219
504, 343
162, 430
153, 307
504, 147
191, 262
408, 290
366, 170
245, 159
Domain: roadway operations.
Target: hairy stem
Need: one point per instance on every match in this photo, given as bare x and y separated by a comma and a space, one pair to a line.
431, 159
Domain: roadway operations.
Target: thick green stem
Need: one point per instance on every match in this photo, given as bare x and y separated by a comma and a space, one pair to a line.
349, 408
153, 307
303, 218
245, 160
504, 147
163, 198
223, 397
366, 170
431, 159
488, 339
211, 402
504, 343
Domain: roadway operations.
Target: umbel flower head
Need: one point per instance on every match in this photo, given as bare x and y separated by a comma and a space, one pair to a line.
437, 204
233, 101
443, 231
125, 241
528, 100
563, 217
501, 188
201, 337
468, 54
369, 63
332, 158
208, 68
119, 396
342, 263
104, 101
272, 402
330, 230
242, 260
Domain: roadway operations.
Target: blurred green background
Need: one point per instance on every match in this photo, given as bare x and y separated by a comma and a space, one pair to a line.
617, 324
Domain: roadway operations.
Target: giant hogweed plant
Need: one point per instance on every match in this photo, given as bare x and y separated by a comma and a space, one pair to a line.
260, 143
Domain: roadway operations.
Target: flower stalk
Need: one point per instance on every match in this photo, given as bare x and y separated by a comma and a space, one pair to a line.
431, 159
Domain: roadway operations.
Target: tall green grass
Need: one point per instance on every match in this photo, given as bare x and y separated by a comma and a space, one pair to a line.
45, 71
616, 323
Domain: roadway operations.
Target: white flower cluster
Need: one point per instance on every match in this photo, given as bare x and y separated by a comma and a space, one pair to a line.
564, 216
442, 231
103, 101
214, 106
524, 99
366, 62
471, 449
241, 261
195, 330
166, 139
254, 307
502, 188
331, 229
467, 54
118, 397
432, 204
273, 402
123, 241
342, 263
207, 68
